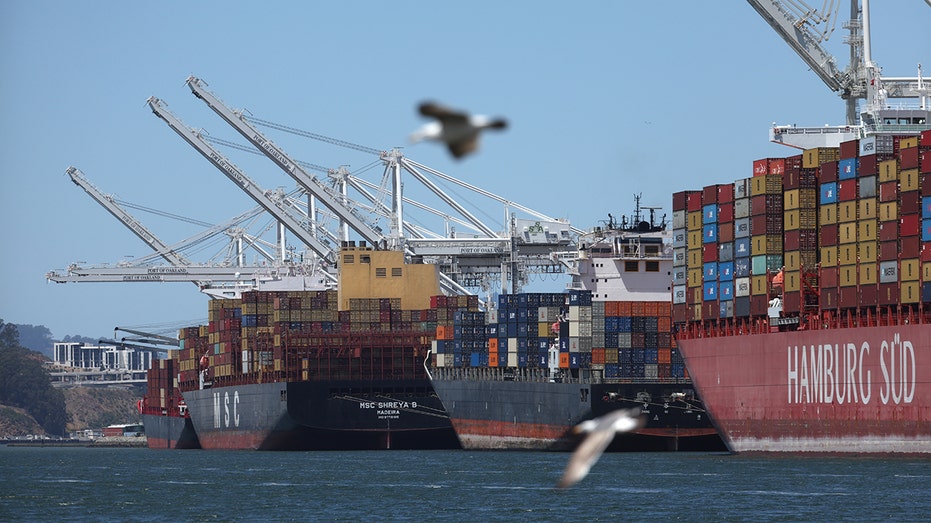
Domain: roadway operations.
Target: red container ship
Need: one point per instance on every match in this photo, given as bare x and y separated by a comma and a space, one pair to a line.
809, 329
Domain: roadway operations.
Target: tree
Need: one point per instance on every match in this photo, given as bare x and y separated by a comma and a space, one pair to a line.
25, 383
37, 338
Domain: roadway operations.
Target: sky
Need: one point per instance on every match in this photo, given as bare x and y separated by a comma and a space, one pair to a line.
604, 100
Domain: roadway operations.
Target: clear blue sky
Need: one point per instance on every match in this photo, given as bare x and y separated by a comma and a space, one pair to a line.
605, 99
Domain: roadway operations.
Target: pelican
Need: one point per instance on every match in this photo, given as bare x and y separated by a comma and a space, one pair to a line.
601, 432
457, 129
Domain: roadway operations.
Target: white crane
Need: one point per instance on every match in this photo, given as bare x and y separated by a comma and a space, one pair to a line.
804, 29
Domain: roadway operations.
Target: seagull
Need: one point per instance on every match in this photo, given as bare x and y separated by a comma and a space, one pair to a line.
600, 434
458, 130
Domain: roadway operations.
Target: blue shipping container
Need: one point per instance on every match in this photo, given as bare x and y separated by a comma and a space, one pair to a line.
710, 214
711, 290
829, 192
726, 271
848, 168
710, 233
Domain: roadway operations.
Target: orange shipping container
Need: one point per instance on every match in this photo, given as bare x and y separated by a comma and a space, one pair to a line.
563, 360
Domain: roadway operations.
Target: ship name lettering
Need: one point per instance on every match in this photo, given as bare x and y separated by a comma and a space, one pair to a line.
842, 372
896, 387
221, 415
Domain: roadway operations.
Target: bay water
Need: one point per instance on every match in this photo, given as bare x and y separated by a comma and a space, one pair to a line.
125, 484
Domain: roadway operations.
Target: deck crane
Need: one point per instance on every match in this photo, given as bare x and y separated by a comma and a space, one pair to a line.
804, 29
280, 158
271, 202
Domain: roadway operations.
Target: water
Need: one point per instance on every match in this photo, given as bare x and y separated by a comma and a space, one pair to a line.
92, 484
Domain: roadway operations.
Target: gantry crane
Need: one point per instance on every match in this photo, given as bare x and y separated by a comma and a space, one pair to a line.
804, 29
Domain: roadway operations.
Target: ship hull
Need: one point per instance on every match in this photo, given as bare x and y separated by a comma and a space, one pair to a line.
859, 390
169, 432
528, 415
325, 415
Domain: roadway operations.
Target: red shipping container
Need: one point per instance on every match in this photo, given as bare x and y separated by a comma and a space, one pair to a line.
911, 202
888, 294
848, 297
925, 252
791, 240
710, 252
759, 305
694, 201
925, 139
829, 277
828, 298
761, 167
709, 194
777, 166
849, 149
888, 231
726, 232
908, 158
909, 247
679, 200
726, 193
829, 235
725, 211
926, 183
847, 190
869, 295
868, 165
710, 310
888, 250
828, 172
888, 191
792, 301
924, 162
910, 225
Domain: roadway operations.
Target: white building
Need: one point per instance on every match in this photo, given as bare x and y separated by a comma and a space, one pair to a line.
102, 357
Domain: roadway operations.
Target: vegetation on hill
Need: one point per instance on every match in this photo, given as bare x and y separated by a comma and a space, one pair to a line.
25, 383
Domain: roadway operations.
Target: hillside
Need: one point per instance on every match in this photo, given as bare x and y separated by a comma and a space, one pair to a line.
16, 422
97, 407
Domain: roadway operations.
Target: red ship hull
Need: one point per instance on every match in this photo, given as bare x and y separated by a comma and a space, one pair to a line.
851, 390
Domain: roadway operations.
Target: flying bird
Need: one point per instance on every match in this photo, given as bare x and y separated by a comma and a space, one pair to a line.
457, 129
601, 432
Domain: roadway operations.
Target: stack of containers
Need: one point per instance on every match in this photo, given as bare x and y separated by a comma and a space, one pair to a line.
711, 308
924, 167
694, 255
579, 341
910, 223
742, 248
867, 210
766, 224
828, 216
800, 238
683, 243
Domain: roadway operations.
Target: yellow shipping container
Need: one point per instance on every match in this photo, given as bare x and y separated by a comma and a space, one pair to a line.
905, 143
759, 286
694, 221
829, 256
848, 275
868, 274
911, 292
767, 184
926, 272
847, 232
813, 158
695, 277
909, 180
828, 214
889, 211
910, 270
766, 244
868, 251
694, 240
888, 170
847, 254
846, 212
697, 295
790, 220
867, 230
792, 260
792, 280
790, 199
868, 208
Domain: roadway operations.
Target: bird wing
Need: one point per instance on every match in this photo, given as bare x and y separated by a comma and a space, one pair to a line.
463, 147
585, 456
442, 113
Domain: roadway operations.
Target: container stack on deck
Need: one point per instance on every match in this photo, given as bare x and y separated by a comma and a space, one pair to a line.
623, 340
162, 393
302, 336
848, 228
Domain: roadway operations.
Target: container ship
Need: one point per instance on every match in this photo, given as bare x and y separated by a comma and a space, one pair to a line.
165, 417
521, 376
320, 370
802, 299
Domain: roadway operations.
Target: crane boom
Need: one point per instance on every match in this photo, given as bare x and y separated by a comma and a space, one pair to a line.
276, 206
108, 203
282, 160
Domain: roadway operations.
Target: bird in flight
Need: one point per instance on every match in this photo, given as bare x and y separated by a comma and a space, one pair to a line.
601, 432
457, 129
